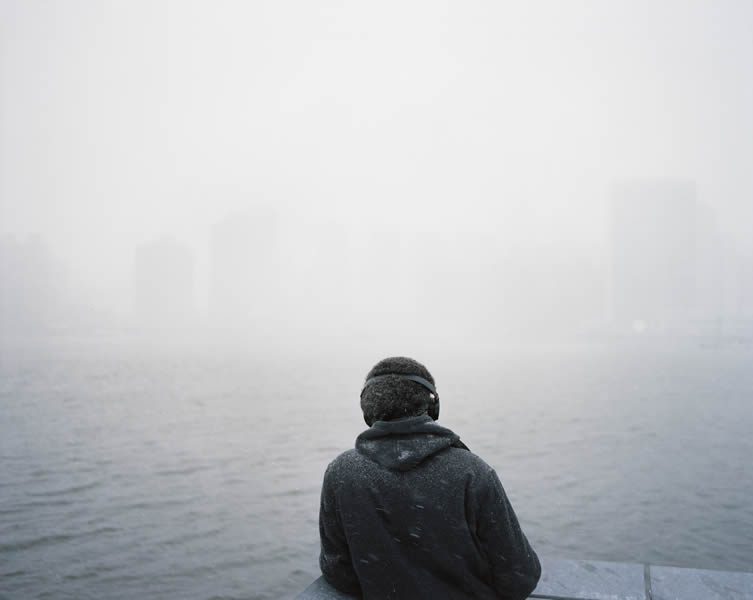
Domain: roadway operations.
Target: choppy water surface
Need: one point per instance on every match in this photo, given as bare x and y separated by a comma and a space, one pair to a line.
198, 477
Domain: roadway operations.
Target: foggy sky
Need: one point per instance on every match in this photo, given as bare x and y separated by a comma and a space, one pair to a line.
121, 122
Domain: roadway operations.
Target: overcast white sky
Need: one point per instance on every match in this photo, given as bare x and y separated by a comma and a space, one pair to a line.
121, 121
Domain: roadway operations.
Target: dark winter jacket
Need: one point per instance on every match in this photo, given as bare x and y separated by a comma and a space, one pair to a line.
411, 513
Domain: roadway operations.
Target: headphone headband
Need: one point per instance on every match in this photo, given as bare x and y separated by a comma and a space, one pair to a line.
420, 380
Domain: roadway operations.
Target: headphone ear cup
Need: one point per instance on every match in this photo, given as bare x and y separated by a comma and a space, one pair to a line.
433, 410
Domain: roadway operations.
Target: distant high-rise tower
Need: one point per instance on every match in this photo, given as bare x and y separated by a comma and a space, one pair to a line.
244, 278
654, 242
163, 283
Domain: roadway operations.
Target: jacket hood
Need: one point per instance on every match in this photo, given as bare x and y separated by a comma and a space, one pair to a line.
403, 444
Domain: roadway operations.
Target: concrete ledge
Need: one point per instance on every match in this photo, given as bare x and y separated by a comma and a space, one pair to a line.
600, 580
674, 583
590, 580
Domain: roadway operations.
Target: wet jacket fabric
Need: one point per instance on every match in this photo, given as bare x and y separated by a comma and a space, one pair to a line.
411, 513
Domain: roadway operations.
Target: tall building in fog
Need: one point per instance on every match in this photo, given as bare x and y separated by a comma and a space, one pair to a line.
244, 270
661, 260
163, 283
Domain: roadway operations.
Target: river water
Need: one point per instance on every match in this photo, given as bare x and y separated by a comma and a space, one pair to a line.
186, 475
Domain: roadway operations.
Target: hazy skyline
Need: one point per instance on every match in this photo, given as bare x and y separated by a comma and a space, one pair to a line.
123, 122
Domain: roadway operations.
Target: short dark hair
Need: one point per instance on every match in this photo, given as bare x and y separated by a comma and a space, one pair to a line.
393, 397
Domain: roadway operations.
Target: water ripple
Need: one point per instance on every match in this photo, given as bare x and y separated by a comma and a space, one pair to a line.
66, 491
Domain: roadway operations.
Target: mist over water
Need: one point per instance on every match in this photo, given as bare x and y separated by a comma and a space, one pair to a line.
428, 167
215, 218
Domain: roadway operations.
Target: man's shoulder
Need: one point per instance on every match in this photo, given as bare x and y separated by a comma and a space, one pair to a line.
346, 467
346, 457
469, 460
344, 461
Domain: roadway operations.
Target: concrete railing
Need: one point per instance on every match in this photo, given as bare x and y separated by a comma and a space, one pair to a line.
599, 580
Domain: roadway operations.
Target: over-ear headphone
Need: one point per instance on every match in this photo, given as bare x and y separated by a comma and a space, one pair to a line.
433, 410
